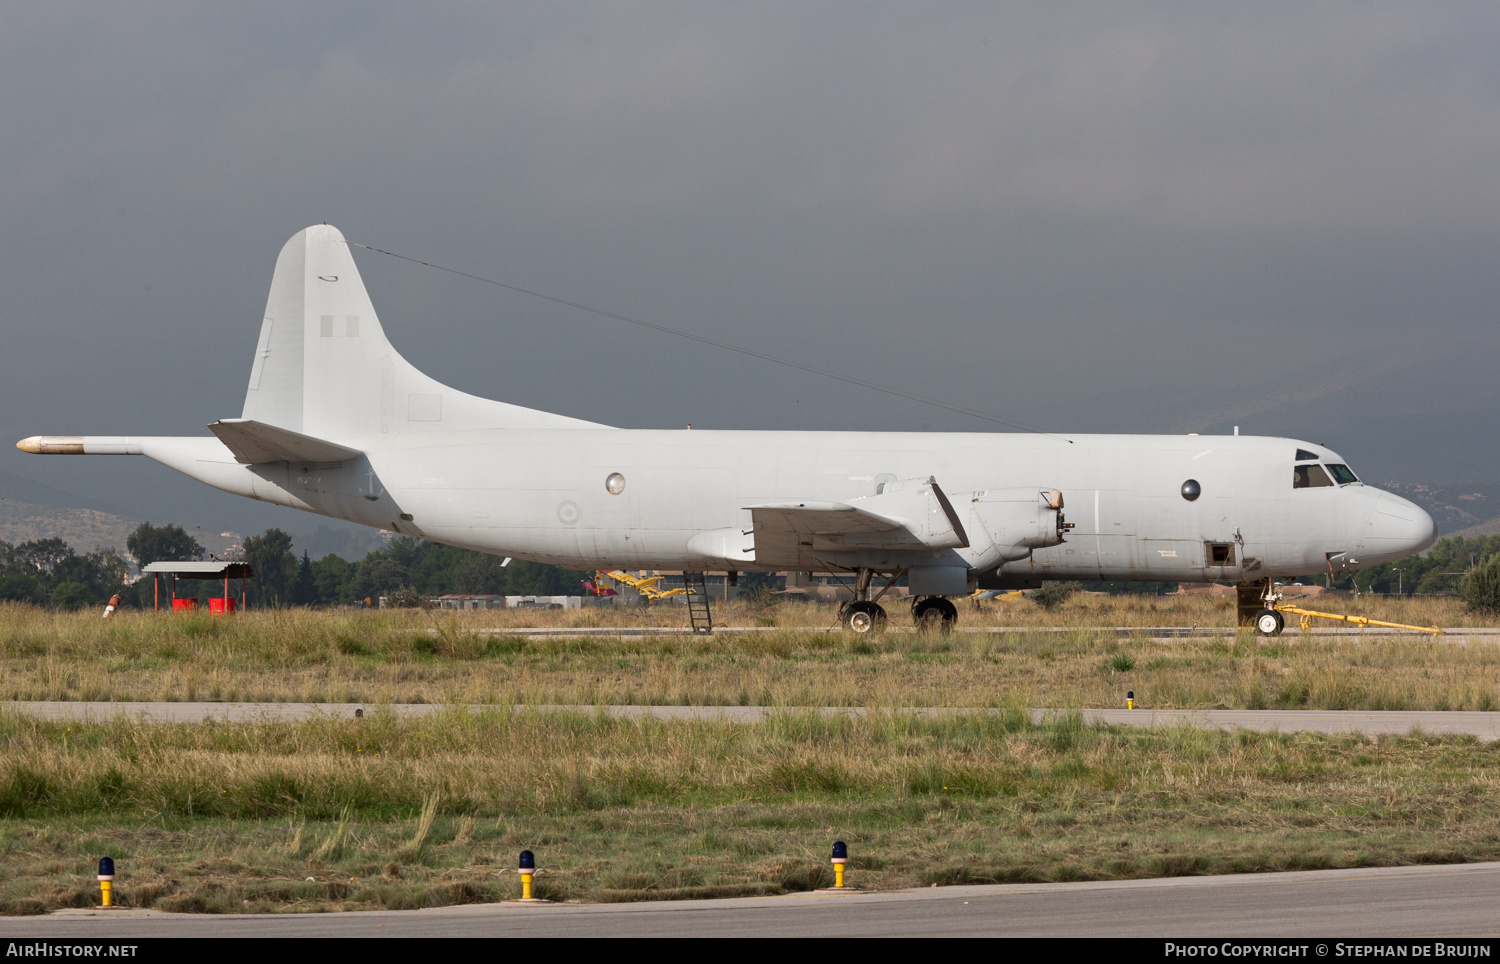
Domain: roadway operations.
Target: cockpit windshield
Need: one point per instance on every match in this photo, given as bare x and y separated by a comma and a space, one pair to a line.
1341, 473
1310, 477
1314, 476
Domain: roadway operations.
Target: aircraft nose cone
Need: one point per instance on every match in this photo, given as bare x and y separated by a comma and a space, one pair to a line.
1398, 528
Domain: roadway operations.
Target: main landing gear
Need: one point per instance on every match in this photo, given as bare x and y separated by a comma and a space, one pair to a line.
934, 613
862, 616
865, 615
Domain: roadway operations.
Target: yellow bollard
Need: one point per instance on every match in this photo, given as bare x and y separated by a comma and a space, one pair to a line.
1130, 700
840, 858
106, 881
528, 871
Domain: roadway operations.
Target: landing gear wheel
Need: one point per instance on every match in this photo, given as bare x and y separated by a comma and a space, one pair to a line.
935, 612
1269, 622
863, 617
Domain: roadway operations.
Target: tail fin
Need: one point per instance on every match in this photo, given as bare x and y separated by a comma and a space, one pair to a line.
324, 368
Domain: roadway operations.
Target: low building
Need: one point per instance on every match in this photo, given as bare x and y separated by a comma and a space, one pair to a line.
544, 602
461, 600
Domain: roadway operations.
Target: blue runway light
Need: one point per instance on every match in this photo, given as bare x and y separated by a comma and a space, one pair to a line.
840, 850
528, 860
106, 881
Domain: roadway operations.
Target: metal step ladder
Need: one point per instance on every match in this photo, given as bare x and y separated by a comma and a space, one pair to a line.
697, 596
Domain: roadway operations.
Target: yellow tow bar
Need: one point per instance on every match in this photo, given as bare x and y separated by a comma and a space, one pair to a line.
1361, 621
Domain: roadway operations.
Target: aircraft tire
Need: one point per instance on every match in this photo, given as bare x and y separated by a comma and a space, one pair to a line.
935, 612
1269, 622
863, 618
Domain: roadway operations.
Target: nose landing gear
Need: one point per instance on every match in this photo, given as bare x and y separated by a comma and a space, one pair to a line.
1269, 622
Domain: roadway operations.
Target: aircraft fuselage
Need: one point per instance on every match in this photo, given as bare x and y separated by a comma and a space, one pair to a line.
541, 494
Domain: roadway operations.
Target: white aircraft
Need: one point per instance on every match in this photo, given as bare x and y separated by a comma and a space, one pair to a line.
337, 423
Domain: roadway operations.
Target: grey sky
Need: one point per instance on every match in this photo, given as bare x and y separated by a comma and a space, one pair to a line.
1153, 217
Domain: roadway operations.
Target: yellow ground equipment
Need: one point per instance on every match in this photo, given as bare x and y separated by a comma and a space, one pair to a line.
648, 586
979, 595
1269, 621
1308, 614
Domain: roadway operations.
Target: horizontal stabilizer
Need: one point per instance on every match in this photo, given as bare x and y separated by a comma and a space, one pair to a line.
914, 514
254, 442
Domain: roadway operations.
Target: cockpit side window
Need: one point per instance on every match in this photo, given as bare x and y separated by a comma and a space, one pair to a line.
1341, 473
1311, 477
1303, 455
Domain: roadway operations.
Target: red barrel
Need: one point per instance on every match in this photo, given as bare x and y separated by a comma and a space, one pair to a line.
184, 605
220, 606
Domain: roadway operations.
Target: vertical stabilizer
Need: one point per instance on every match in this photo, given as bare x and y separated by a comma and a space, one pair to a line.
324, 368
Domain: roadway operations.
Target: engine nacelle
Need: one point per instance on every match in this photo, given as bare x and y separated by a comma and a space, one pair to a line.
1018, 521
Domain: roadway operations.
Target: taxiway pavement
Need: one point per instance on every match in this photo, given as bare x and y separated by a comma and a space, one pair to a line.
1435, 901
1484, 725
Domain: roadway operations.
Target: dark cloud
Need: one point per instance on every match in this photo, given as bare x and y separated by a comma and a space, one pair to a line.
1090, 218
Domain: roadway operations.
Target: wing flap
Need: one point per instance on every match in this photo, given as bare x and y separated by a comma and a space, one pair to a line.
255, 442
914, 514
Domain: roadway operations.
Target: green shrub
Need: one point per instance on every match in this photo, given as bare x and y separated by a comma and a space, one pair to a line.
1480, 587
1054, 594
407, 598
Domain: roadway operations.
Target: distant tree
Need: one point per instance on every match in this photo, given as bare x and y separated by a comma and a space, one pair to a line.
168, 543
479, 573
331, 575
270, 557
1480, 587
375, 576
70, 594
538, 579
41, 556
1438, 570
50, 572
20, 587
304, 590
101, 572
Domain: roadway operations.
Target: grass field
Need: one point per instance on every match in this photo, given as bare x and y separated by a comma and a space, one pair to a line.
381, 812
386, 812
414, 656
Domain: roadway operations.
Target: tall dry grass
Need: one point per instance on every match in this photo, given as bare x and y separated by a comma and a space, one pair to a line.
410, 656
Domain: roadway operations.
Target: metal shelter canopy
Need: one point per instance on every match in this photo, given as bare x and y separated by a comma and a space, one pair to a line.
202, 570
198, 570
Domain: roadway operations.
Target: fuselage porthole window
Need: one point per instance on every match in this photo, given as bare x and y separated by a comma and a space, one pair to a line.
1341, 473
1310, 477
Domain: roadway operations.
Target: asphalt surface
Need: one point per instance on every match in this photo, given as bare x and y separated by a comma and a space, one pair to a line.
1485, 726
1440, 901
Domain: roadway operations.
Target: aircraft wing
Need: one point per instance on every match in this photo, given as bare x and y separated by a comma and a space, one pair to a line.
914, 514
255, 442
